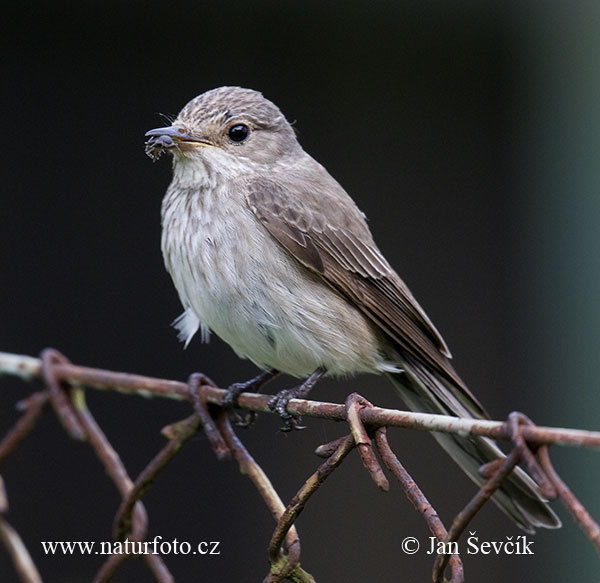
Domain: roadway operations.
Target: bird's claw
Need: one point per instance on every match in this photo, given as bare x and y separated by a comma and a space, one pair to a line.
246, 420
279, 404
232, 394
230, 401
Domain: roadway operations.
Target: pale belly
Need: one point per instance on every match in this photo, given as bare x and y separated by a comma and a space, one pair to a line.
241, 284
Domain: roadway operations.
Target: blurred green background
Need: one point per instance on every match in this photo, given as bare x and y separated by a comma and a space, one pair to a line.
468, 132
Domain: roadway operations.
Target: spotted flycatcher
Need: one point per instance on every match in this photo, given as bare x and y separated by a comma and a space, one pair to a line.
269, 252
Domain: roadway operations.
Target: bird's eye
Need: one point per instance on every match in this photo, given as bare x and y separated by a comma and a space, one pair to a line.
239, 132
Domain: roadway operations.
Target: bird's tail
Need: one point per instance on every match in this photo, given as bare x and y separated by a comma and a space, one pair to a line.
518, 496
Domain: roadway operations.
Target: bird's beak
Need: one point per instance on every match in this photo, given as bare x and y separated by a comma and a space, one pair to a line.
177, 137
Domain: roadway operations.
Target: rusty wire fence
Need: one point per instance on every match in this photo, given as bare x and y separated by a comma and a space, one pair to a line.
63, 392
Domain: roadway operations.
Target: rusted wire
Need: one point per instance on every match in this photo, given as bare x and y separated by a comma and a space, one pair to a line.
22, 561
159, 569
24, 565
249, 467
354, 404
197, 382
297, 503
123, 519
3, 498
64, 382
28, 367
109, 568
589, 526
58, 394
326, 449
90, 430
418, 500
465, 516
515, 423
33, 407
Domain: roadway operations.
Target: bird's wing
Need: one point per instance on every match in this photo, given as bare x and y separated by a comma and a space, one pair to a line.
340, 248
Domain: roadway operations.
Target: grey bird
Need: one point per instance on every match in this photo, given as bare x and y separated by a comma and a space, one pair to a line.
270, 253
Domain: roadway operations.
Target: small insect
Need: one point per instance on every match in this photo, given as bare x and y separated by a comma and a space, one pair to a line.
157, 145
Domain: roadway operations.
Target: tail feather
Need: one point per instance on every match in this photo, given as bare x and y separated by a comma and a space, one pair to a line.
518, 496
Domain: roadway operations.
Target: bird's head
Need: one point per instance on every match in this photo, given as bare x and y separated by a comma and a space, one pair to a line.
229, 128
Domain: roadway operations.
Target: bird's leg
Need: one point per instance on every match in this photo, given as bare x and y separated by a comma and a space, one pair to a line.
230, 400
251, 386
280, 401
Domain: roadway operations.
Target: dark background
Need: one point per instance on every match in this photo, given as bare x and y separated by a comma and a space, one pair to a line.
466, 131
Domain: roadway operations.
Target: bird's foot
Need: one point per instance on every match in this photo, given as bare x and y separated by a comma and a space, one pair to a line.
280, 401
230, 400
279, 404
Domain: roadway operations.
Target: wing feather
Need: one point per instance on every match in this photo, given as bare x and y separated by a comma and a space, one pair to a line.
346, 257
